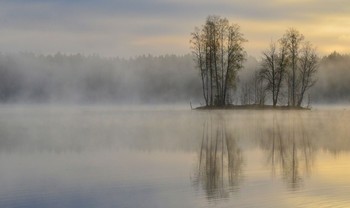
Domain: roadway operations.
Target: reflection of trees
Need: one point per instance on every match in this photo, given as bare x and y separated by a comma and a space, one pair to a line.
289, 148
220, 161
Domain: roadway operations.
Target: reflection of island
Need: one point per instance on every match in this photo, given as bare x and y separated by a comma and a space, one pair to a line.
289, 149
220, 162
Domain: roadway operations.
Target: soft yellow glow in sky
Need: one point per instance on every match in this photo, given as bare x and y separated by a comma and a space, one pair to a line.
328, 34
130, 28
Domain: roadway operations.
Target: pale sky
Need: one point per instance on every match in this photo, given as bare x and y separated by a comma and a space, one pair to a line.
127, 28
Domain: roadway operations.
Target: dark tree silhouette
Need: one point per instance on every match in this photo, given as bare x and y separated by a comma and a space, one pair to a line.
294, 61
292, 40
307, 70
273, 70
219, 54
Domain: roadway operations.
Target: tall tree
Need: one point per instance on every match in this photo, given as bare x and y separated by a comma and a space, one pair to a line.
218, 51
235, 57
308, 68
269, 69
292, 60
198, 51
293, 40
274, 68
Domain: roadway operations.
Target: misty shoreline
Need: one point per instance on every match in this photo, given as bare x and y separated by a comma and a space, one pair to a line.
251, 107
170, 79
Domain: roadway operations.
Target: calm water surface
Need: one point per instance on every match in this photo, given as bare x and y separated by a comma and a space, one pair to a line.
173, 157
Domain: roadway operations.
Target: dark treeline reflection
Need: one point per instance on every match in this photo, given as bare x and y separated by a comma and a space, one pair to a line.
285, 143
220, 163
289, 148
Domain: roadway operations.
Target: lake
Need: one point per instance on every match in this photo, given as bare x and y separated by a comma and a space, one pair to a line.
106, 156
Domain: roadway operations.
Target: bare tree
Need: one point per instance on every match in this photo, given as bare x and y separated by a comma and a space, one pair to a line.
273, 69
253, 89
246, 93
293, 40
308, 68
218, 51
269, 69
235, 57
292, 60
198, 53
259, 89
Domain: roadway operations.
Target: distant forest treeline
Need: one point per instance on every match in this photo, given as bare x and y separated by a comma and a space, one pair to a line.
76, 79
27, 77
333, 83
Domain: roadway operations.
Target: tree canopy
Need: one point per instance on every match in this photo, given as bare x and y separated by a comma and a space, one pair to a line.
218, 51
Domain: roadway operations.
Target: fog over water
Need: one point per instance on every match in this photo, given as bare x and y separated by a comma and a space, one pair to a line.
60, 78
97, 111
88, 131
90, 79
66, 156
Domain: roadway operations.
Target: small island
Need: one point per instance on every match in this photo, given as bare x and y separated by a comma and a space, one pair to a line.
286, 72
251, 107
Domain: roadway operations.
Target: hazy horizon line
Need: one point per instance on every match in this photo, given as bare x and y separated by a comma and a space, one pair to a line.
101, 56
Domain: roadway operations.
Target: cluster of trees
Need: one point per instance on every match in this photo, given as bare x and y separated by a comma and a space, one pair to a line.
288, 67
332, 86
219, 55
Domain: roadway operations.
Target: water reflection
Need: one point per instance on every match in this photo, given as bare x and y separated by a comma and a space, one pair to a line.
287, 141
220, 163
114, 158
289, 148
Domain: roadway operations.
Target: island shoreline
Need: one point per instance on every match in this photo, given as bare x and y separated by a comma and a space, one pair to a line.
251, 107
